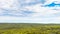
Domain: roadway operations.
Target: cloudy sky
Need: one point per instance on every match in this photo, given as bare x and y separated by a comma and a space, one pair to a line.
29, 11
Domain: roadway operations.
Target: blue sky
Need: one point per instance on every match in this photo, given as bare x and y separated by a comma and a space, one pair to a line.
31, 11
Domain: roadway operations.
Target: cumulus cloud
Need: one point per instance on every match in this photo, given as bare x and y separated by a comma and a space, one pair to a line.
13, 11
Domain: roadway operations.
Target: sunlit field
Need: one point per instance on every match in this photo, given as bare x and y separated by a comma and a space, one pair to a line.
29, 28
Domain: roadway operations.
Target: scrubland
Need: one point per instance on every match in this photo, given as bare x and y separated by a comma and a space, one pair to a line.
24, 28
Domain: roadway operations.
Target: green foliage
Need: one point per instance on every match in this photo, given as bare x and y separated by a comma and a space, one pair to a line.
29, 28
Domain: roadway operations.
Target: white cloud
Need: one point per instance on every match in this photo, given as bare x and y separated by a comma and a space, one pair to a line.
41, 15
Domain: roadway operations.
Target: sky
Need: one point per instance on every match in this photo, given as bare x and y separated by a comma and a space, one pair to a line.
29, 11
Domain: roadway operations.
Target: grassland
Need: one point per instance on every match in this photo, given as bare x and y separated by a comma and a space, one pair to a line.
19, 28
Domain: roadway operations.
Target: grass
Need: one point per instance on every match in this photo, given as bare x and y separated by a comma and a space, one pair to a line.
24, 28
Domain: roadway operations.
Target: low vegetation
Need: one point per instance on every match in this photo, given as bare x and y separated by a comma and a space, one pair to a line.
19, 28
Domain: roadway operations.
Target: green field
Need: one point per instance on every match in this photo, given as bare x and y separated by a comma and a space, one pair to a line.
26, 28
